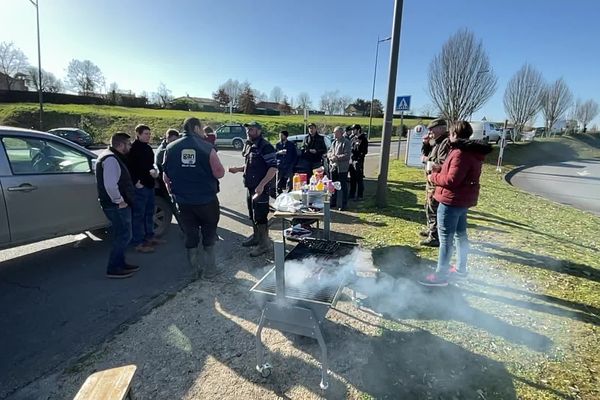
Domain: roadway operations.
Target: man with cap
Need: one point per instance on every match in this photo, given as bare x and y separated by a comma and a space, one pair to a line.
313, 148
259, 170
360, 148
191, 172
435, 150
286, 161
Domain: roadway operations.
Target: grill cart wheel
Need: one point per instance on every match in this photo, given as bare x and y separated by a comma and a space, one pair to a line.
265, 370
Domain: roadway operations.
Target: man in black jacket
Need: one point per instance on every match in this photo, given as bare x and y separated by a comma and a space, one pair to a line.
313, 149
287, 154
116, 196
360, 148
143, 175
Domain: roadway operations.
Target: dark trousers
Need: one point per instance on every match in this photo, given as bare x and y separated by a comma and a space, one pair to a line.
196, 219
120, 229
357, 178
143, 215
340, 197
284, 180
258, 209
431, 209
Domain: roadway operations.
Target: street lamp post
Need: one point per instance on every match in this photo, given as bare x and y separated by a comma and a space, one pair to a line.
40, 89
374, 78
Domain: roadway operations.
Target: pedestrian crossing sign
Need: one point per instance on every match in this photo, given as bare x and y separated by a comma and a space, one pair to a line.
402, 103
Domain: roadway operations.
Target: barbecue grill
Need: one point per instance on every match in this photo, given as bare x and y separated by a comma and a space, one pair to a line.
296, 300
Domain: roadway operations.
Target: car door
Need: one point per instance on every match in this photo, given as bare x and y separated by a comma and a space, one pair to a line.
223, 136
51, 190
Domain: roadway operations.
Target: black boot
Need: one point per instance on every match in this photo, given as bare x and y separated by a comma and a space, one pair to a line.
210, 264
252, 240
264, 245
193, 255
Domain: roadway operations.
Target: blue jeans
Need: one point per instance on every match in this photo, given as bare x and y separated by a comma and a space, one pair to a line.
452, 226
120, 228
143, 215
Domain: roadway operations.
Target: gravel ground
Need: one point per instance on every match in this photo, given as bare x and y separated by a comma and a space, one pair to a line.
201, 345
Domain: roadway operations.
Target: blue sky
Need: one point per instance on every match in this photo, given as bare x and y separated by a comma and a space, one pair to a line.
311, 45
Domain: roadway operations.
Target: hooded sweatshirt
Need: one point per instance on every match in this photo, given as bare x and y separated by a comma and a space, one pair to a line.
457, 184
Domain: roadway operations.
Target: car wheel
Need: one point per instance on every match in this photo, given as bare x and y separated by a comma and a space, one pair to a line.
163, 214
238, 144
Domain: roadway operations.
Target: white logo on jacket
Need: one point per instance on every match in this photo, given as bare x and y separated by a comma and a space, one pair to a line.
188, 158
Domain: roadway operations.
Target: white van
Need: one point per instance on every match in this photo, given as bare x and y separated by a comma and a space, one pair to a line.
485, 131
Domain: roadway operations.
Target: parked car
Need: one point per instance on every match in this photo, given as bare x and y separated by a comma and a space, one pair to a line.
231, 135
74, 135
486, 131
49, 189
299, 139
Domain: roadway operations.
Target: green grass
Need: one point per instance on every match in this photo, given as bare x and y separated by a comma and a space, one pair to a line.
531, 307
102, 121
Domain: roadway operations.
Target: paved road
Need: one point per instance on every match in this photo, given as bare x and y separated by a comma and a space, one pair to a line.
56, 304
575, 183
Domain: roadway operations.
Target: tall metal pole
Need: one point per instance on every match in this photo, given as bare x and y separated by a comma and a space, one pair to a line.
40, 88
381, 195
374, 79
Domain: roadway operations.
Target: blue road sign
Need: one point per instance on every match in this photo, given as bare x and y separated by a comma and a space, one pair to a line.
402, 103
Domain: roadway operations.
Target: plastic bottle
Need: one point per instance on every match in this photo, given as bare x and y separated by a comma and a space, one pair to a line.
297, 183
319, 186
325, 183
313, 182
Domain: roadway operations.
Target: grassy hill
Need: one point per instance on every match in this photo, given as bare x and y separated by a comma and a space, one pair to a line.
102, 121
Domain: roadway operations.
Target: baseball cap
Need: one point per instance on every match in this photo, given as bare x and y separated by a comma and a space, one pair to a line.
356, 126
312, 124
253, 124
436, 122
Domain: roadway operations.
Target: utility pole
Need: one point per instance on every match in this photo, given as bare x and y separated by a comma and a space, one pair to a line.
40, 89
386, 140
374, 79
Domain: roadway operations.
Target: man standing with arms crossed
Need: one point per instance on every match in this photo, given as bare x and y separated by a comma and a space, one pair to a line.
143, 175
116, 195
360, 148
437, 150
339, 159
191, 172
259, 170
286, 160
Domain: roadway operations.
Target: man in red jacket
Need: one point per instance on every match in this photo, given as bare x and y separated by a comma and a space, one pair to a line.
457, 189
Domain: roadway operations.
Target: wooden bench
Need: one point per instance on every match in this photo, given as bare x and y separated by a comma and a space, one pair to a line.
110, 384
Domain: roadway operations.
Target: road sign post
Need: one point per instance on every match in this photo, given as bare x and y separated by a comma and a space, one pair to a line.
402, 105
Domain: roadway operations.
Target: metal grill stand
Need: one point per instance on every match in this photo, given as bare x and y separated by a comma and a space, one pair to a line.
302, 317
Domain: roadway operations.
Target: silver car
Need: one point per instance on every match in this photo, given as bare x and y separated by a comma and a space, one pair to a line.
49, 189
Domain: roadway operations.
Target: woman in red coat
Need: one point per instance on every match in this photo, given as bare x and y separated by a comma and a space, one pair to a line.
457, 189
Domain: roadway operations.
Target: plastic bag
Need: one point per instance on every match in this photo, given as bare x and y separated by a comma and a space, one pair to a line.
285, 202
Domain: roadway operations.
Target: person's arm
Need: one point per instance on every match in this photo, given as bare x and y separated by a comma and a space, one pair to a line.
215, 165
346, 151
364, 146
271, 173
133, 163
235, 170
111, 173
452, 175
444, 151
321, 147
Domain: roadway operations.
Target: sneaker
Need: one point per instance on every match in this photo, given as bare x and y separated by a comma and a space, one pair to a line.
456, 273
424, 233
144, 248
131, 268
434, 281
119, 274
430, 242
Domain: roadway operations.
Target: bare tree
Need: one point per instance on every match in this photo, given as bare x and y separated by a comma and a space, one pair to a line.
260, 96
276, 95
304, 101
234, 89
523, 96
461, 79
50, 83
84, 76
556, 101
585, 112
162, 96
341, 104
429, 110
12, 62
330, 101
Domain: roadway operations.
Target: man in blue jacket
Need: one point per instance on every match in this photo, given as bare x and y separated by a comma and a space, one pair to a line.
287, 155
